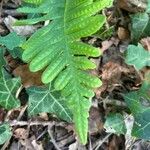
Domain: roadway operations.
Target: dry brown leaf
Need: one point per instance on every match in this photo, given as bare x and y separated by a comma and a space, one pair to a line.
95, 121
123, 33
116, 143
146, 43
106, 44
28, 78
132, 5
21, 133
111, 75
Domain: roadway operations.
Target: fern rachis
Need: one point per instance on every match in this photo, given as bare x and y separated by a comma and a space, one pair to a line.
57, 48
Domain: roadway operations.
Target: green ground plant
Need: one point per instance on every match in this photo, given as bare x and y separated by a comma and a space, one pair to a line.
137, 101
57, 49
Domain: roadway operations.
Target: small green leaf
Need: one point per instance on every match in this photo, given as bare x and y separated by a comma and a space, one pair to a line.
139, 104
141, 127
8, 90
43, 99
140, 26
11, 41
137, 56
115, 124
5, 133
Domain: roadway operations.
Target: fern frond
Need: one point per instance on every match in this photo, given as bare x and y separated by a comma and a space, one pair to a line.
34, 1
57, 49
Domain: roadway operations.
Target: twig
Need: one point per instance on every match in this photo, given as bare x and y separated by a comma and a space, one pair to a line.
102, 141
34, 123
90, 143
115, 102
22, 112
44, 132
52, 138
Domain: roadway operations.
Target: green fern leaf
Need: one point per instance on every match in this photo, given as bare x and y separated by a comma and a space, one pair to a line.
57, 48
34, 1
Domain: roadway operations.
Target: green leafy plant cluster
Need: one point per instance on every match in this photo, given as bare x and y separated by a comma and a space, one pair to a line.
57, 49
8, 85
137, 101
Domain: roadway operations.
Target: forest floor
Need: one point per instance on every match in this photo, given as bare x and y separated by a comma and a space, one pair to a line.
45, 132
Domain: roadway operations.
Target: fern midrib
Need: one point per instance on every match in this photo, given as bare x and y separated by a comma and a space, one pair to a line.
69, 55
77, 107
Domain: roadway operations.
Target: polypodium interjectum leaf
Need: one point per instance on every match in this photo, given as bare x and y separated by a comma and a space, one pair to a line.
34, 1
58, 50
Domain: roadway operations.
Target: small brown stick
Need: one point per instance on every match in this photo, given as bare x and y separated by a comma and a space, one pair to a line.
52, 138
34, 123
102, 141
115, 102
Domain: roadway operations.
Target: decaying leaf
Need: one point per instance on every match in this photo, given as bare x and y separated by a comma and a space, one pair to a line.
28, 78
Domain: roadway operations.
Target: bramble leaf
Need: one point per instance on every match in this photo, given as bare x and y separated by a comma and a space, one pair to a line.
137, 56
5, 133
44, 99
115, 124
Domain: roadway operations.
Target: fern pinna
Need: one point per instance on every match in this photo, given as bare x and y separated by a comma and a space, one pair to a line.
57, 49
